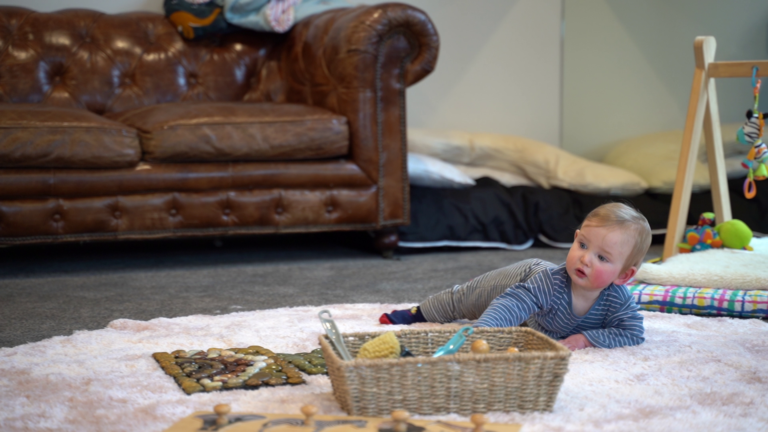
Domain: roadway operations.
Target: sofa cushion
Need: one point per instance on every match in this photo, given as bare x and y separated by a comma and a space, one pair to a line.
41, 136
237, 131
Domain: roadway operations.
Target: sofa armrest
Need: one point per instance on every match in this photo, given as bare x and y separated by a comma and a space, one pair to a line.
346, 45
358, 62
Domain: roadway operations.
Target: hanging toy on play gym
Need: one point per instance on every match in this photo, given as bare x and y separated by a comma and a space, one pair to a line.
751, 133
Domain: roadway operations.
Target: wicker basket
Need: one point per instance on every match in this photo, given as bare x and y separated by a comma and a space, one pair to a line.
463, 383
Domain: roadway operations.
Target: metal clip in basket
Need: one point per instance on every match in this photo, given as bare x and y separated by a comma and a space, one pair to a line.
334, 334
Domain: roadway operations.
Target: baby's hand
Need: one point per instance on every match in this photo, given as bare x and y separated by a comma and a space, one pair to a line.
576, 342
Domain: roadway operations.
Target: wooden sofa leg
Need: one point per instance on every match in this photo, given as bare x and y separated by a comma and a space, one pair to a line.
385, 241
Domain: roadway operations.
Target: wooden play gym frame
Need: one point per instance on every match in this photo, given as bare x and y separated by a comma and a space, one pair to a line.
703, 113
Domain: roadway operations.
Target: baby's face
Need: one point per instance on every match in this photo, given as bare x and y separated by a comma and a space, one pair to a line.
597, 256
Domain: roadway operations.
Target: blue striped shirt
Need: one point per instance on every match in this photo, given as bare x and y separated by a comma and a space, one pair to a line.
544, 301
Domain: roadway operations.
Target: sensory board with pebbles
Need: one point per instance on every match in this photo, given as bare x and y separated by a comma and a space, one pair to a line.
238, 368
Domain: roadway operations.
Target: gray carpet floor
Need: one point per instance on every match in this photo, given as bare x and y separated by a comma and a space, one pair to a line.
54, 290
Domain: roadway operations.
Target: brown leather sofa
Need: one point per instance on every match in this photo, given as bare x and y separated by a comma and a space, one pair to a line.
115, 127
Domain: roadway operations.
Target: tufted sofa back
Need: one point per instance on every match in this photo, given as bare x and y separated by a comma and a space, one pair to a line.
112, 63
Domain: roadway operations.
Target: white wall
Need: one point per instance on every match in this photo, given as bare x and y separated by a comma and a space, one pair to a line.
628, 65
498, 71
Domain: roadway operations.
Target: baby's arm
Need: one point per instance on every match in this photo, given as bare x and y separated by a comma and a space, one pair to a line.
623, 328
516, 304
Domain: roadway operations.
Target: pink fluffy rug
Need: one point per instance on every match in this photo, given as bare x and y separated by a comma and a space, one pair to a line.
692, 373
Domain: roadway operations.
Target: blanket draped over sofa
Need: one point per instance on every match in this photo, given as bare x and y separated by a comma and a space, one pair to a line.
115, 127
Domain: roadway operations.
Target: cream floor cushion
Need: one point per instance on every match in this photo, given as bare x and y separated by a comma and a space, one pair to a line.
544, 164
428, 171
506, 178
655, 156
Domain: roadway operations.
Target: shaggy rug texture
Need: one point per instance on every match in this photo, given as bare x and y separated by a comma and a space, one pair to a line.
714, 268
693, 373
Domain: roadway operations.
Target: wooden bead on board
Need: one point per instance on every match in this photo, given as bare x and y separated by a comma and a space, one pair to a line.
221, 411
400, 418
309, 411
478, 420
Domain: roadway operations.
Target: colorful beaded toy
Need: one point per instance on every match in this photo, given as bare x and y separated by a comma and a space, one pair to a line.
751, 133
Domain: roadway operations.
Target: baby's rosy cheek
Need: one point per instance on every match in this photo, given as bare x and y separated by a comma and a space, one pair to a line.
601, 277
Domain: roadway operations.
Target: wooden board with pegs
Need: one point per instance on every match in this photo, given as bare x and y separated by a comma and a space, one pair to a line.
221, 419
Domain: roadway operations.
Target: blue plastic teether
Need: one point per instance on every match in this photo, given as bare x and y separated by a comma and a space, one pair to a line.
453, 345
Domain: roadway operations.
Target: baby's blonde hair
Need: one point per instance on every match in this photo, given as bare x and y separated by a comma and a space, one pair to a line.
633, 224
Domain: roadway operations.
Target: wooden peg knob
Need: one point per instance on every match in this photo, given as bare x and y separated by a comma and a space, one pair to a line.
512, 350
221, 411
478, 420
401, 418
480, 347
309, 411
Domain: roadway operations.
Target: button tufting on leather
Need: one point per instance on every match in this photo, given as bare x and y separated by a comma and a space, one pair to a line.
192, 79
57, 79
115, 47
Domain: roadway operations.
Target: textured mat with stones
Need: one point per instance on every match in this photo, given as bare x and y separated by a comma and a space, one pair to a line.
238, 368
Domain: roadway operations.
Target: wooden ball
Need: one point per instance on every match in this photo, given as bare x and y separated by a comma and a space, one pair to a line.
400, 415
480, 347
512, 350
309, 410
222, 409
478, 419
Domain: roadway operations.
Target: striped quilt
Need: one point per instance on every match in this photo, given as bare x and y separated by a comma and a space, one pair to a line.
700, 301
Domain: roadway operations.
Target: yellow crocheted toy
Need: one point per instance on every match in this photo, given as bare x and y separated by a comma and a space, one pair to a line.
383, 346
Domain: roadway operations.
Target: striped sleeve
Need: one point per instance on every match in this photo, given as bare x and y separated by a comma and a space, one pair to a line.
518, 302
623, 326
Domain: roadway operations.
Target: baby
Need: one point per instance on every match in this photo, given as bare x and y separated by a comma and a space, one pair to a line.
583, 302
